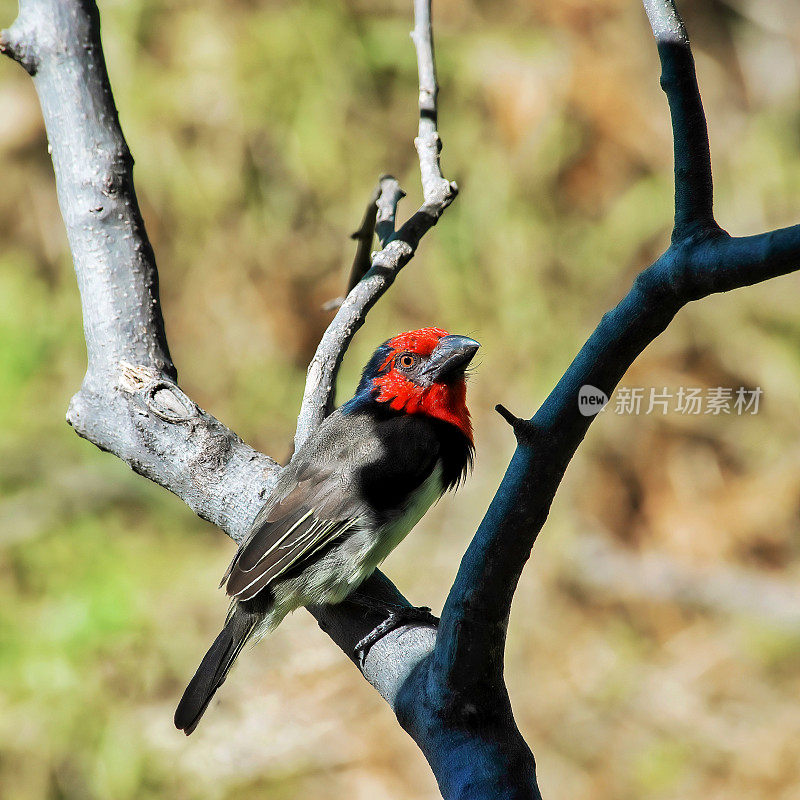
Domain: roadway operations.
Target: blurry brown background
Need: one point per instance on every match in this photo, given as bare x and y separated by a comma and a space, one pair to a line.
654, 649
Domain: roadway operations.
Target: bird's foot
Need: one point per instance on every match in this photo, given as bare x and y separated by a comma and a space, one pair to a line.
398, 616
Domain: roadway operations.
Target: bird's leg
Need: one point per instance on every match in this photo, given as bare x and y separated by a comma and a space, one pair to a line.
395, 617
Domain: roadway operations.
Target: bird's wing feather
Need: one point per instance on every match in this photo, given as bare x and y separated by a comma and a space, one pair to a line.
317, 504
313, 515
353, 471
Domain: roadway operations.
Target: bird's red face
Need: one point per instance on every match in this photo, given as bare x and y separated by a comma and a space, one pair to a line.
422, 372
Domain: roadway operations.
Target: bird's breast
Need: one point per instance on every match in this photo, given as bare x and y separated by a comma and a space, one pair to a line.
396, 526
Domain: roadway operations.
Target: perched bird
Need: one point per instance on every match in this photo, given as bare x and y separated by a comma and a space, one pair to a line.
349, 495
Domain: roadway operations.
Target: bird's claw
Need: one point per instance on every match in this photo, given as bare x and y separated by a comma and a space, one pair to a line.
402, 615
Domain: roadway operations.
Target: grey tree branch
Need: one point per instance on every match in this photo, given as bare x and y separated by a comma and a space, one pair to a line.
437, 190
129, 403
398, 249
388, 198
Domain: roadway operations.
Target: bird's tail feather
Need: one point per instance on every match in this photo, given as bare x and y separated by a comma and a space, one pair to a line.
214, 667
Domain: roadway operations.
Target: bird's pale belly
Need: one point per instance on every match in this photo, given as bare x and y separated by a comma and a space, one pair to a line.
342, 569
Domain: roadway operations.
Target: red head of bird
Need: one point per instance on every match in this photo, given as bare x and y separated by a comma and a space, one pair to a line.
421, 372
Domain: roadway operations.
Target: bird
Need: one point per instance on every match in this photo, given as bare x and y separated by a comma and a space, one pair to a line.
348, 496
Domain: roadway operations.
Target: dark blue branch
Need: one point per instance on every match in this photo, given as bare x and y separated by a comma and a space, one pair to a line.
756, 258
473, 744
702, 260
472, 631
694, 189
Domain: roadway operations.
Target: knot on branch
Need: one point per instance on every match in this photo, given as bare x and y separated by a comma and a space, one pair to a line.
396, 254
163, 397
437, 198
449, 193
524, 429
19, 48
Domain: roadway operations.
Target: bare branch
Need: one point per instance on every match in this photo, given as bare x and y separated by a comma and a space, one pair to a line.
437, 190
694, 189
364, 237
129, 403
438, 193
701, 260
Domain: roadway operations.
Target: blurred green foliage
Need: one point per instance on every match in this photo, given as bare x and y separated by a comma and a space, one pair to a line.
259, 130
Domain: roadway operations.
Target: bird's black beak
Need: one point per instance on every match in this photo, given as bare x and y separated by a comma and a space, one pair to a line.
450, 358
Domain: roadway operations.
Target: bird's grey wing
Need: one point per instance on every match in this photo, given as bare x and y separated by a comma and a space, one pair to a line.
308, 519
317, 506
354, 470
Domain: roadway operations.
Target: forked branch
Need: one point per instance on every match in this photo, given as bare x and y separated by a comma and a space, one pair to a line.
129, 403
397, 248
701, 260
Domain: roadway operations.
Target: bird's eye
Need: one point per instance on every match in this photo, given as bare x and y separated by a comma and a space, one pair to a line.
406, 361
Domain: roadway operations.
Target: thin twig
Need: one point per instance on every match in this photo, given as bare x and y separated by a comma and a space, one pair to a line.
437, 190
390, 195
364, 237
398, 249
694, 188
